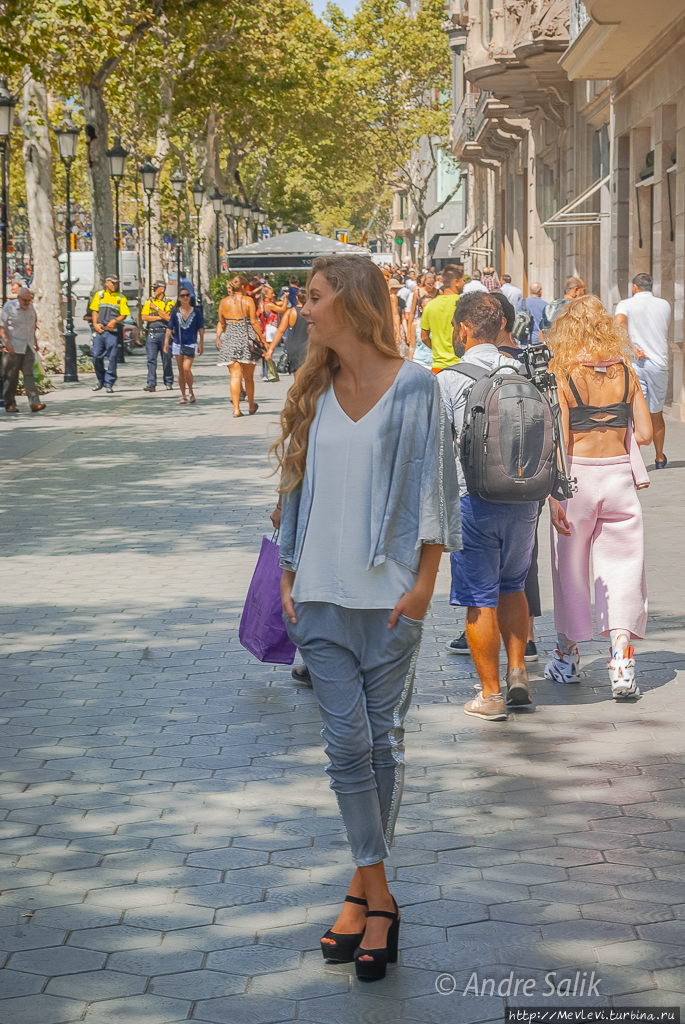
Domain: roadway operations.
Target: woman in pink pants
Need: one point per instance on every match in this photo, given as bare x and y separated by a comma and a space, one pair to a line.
605, 418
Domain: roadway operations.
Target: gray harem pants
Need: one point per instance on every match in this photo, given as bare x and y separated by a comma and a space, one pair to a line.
363, 678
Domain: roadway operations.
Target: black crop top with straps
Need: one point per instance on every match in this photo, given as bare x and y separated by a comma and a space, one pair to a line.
583, 417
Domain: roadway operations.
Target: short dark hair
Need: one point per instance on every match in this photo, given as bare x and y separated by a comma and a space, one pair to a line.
294, 280
482, 313
507, 309
506, 278
643, 282
451, 274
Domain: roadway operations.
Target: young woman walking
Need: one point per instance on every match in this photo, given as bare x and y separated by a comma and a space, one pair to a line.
605, 418
297, 340
238, 337
368, 504
186, 332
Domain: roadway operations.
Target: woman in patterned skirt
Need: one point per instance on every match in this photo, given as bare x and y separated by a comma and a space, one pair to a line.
236, 333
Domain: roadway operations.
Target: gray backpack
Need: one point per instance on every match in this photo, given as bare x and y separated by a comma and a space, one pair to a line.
508, 444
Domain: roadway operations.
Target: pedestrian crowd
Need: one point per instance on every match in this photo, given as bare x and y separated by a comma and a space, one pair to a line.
385, 465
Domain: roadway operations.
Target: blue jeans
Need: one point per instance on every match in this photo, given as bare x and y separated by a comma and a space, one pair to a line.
498, 545
363, 678
154, 347
105, 347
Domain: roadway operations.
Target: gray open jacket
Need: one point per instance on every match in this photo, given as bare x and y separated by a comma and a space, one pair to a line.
415, 489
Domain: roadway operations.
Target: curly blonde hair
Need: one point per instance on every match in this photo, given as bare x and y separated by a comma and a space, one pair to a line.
362, 301
584, 332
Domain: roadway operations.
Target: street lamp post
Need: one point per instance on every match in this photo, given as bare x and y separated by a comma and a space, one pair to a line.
148, 176
198, 196
178, 183
67, 140
21, 214
117, 168
7, 104
229, 211
217, 201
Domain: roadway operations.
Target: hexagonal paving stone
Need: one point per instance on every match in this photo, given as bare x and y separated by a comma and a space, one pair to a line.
246, 1009
356, 1005
93, 985
534, 912
673, 979
669, 893
255, 959
651, 956
666, 931
524, 873
169, 917
57, 960
595, 933
233, 857
149, 1008
118, 937
563, 856
218, 895
128, 896
444, 913
149, 963
573, 892
630, 911
198, 985
44, 1008
18, 983
26, 935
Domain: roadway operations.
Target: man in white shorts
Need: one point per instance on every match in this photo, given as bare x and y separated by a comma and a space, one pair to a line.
647, 318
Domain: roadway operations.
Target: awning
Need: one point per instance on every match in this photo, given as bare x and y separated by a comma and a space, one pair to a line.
294, 250
446, 247
569, 216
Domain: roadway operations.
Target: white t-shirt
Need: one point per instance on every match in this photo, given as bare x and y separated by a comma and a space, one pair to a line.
405, 293
648, 319
513, 293
474, 286
335, 553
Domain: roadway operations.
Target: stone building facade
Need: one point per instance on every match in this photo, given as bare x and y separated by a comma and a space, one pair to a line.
570, 118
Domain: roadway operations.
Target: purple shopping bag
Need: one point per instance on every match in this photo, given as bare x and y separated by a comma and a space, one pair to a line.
262, 630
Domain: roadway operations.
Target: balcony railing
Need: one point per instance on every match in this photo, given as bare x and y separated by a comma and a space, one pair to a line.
470, 117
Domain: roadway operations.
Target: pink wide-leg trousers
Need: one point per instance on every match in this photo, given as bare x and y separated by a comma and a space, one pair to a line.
605, 517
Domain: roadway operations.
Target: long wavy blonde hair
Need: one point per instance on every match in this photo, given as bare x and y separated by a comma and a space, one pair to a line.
362, 302
583, 332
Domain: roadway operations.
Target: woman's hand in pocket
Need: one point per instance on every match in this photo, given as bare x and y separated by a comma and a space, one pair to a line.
287, 581
413, 604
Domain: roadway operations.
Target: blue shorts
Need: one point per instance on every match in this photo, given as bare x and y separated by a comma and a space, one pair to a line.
495, 559
653, 381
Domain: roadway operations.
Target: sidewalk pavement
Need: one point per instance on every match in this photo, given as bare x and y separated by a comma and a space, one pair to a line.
170, 849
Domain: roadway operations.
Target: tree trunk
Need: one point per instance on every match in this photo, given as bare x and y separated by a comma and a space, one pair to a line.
101, 209
47, 288
161, 153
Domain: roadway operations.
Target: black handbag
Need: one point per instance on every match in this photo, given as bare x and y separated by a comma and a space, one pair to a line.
283, 364
187, 350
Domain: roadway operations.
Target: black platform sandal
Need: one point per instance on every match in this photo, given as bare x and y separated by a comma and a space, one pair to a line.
374, 970
341, 950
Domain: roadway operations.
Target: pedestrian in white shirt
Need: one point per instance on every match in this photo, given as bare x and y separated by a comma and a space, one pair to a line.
514, 294
18, 322
647, 318
474, 285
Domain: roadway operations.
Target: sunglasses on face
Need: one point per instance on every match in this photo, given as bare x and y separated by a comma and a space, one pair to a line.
185, 295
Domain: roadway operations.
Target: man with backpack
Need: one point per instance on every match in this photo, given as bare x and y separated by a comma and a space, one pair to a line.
507, 457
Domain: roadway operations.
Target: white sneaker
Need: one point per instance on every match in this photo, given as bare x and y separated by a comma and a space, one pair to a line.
622, 676
563, 668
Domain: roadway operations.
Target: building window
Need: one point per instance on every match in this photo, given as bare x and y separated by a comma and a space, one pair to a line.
403, 206
447, 178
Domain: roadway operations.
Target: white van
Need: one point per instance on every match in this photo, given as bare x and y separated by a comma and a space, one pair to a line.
381, 258
83, 273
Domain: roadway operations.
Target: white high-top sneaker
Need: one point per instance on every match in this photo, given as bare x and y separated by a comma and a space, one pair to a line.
622, 676
563, 668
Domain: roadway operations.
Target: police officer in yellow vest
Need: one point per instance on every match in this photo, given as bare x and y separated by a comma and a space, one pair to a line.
109, 308
155, 314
